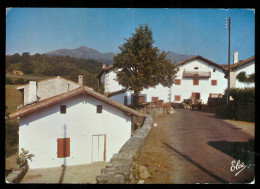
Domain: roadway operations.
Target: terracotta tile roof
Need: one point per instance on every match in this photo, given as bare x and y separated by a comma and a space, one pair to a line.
116, 92
105, 69
241, 63
202, 58
64, 96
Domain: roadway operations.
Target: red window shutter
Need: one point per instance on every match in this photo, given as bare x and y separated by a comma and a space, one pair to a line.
210, 95
219, 95
154, 99
213, 82
177, 98
193, 95
141, 99
195, 82
63, 147
177, 81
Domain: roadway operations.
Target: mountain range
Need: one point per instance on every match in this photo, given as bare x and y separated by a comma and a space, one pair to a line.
89, 53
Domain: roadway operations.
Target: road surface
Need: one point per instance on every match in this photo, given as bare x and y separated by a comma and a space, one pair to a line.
202, 148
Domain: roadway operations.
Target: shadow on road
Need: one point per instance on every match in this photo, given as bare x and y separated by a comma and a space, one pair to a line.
243, 151
196, 164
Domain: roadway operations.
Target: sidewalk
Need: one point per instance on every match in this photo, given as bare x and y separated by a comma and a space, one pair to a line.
247, 127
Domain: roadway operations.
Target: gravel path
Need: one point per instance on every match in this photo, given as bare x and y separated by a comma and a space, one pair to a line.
78, 174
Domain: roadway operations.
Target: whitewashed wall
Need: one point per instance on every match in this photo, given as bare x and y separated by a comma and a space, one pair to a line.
49, 88
249, 69
111, 85
204, 88
38, 131
184, 90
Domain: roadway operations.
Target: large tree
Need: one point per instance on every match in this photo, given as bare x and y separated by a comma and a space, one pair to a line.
140, 65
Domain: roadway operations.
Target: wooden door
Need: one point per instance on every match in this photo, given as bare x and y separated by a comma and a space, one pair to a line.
98, 148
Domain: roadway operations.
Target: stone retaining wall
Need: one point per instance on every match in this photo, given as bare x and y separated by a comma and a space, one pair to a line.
122, 166
17, 175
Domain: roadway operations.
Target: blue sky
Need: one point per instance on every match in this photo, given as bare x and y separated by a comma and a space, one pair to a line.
184, 31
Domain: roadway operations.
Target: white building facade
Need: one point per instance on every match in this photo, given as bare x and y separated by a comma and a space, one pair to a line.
200, 78
247, 66
73, 128
209, 76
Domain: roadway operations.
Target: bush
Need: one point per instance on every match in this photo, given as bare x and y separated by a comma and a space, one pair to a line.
9, 81
242, 108
11, 136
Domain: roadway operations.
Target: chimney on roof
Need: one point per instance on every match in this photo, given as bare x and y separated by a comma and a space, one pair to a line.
80, 80
32, 92
235, 58
104, 66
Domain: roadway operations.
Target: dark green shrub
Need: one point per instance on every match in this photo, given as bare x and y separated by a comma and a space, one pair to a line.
9, 81
11, 136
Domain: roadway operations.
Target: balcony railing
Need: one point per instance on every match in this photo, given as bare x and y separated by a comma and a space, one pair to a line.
196, 74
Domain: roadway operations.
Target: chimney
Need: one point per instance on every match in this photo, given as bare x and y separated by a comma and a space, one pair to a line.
104, 66
32, 92
235, 58
80, 80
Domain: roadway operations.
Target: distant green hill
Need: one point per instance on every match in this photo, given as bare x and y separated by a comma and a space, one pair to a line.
44, 66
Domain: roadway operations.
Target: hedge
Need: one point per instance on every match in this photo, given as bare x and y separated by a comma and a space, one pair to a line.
242, 108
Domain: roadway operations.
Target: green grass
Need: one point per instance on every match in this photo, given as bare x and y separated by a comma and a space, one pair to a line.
27, 77
13, 97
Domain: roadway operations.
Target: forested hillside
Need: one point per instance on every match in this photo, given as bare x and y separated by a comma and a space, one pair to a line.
64, 66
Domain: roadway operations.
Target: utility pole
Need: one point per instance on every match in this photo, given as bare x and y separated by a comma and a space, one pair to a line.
228, 26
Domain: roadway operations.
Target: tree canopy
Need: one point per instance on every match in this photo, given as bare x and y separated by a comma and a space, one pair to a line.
243, 78
140, 65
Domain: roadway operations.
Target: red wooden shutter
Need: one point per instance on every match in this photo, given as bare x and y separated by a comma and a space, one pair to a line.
154, 99
219, 95
213, 82
177, 98
210, 95
193, 95
141, 99
63, 147
195, 82
177, 81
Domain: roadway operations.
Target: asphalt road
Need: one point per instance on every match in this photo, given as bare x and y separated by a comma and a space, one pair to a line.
204, 147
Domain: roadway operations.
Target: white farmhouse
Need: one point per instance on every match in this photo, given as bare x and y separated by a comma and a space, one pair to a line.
117, 92
197, 77
200, 78
247, 66
76, 126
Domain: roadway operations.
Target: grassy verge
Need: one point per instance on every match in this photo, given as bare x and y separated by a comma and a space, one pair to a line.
13, 98
11, 136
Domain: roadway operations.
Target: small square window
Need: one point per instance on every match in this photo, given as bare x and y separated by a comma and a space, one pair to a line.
213, 82
195, 82
214, 70
99, 109
177, 81
196, 68
177, 98
63, 109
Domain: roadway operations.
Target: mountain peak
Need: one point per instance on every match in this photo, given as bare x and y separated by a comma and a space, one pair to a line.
89, 53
